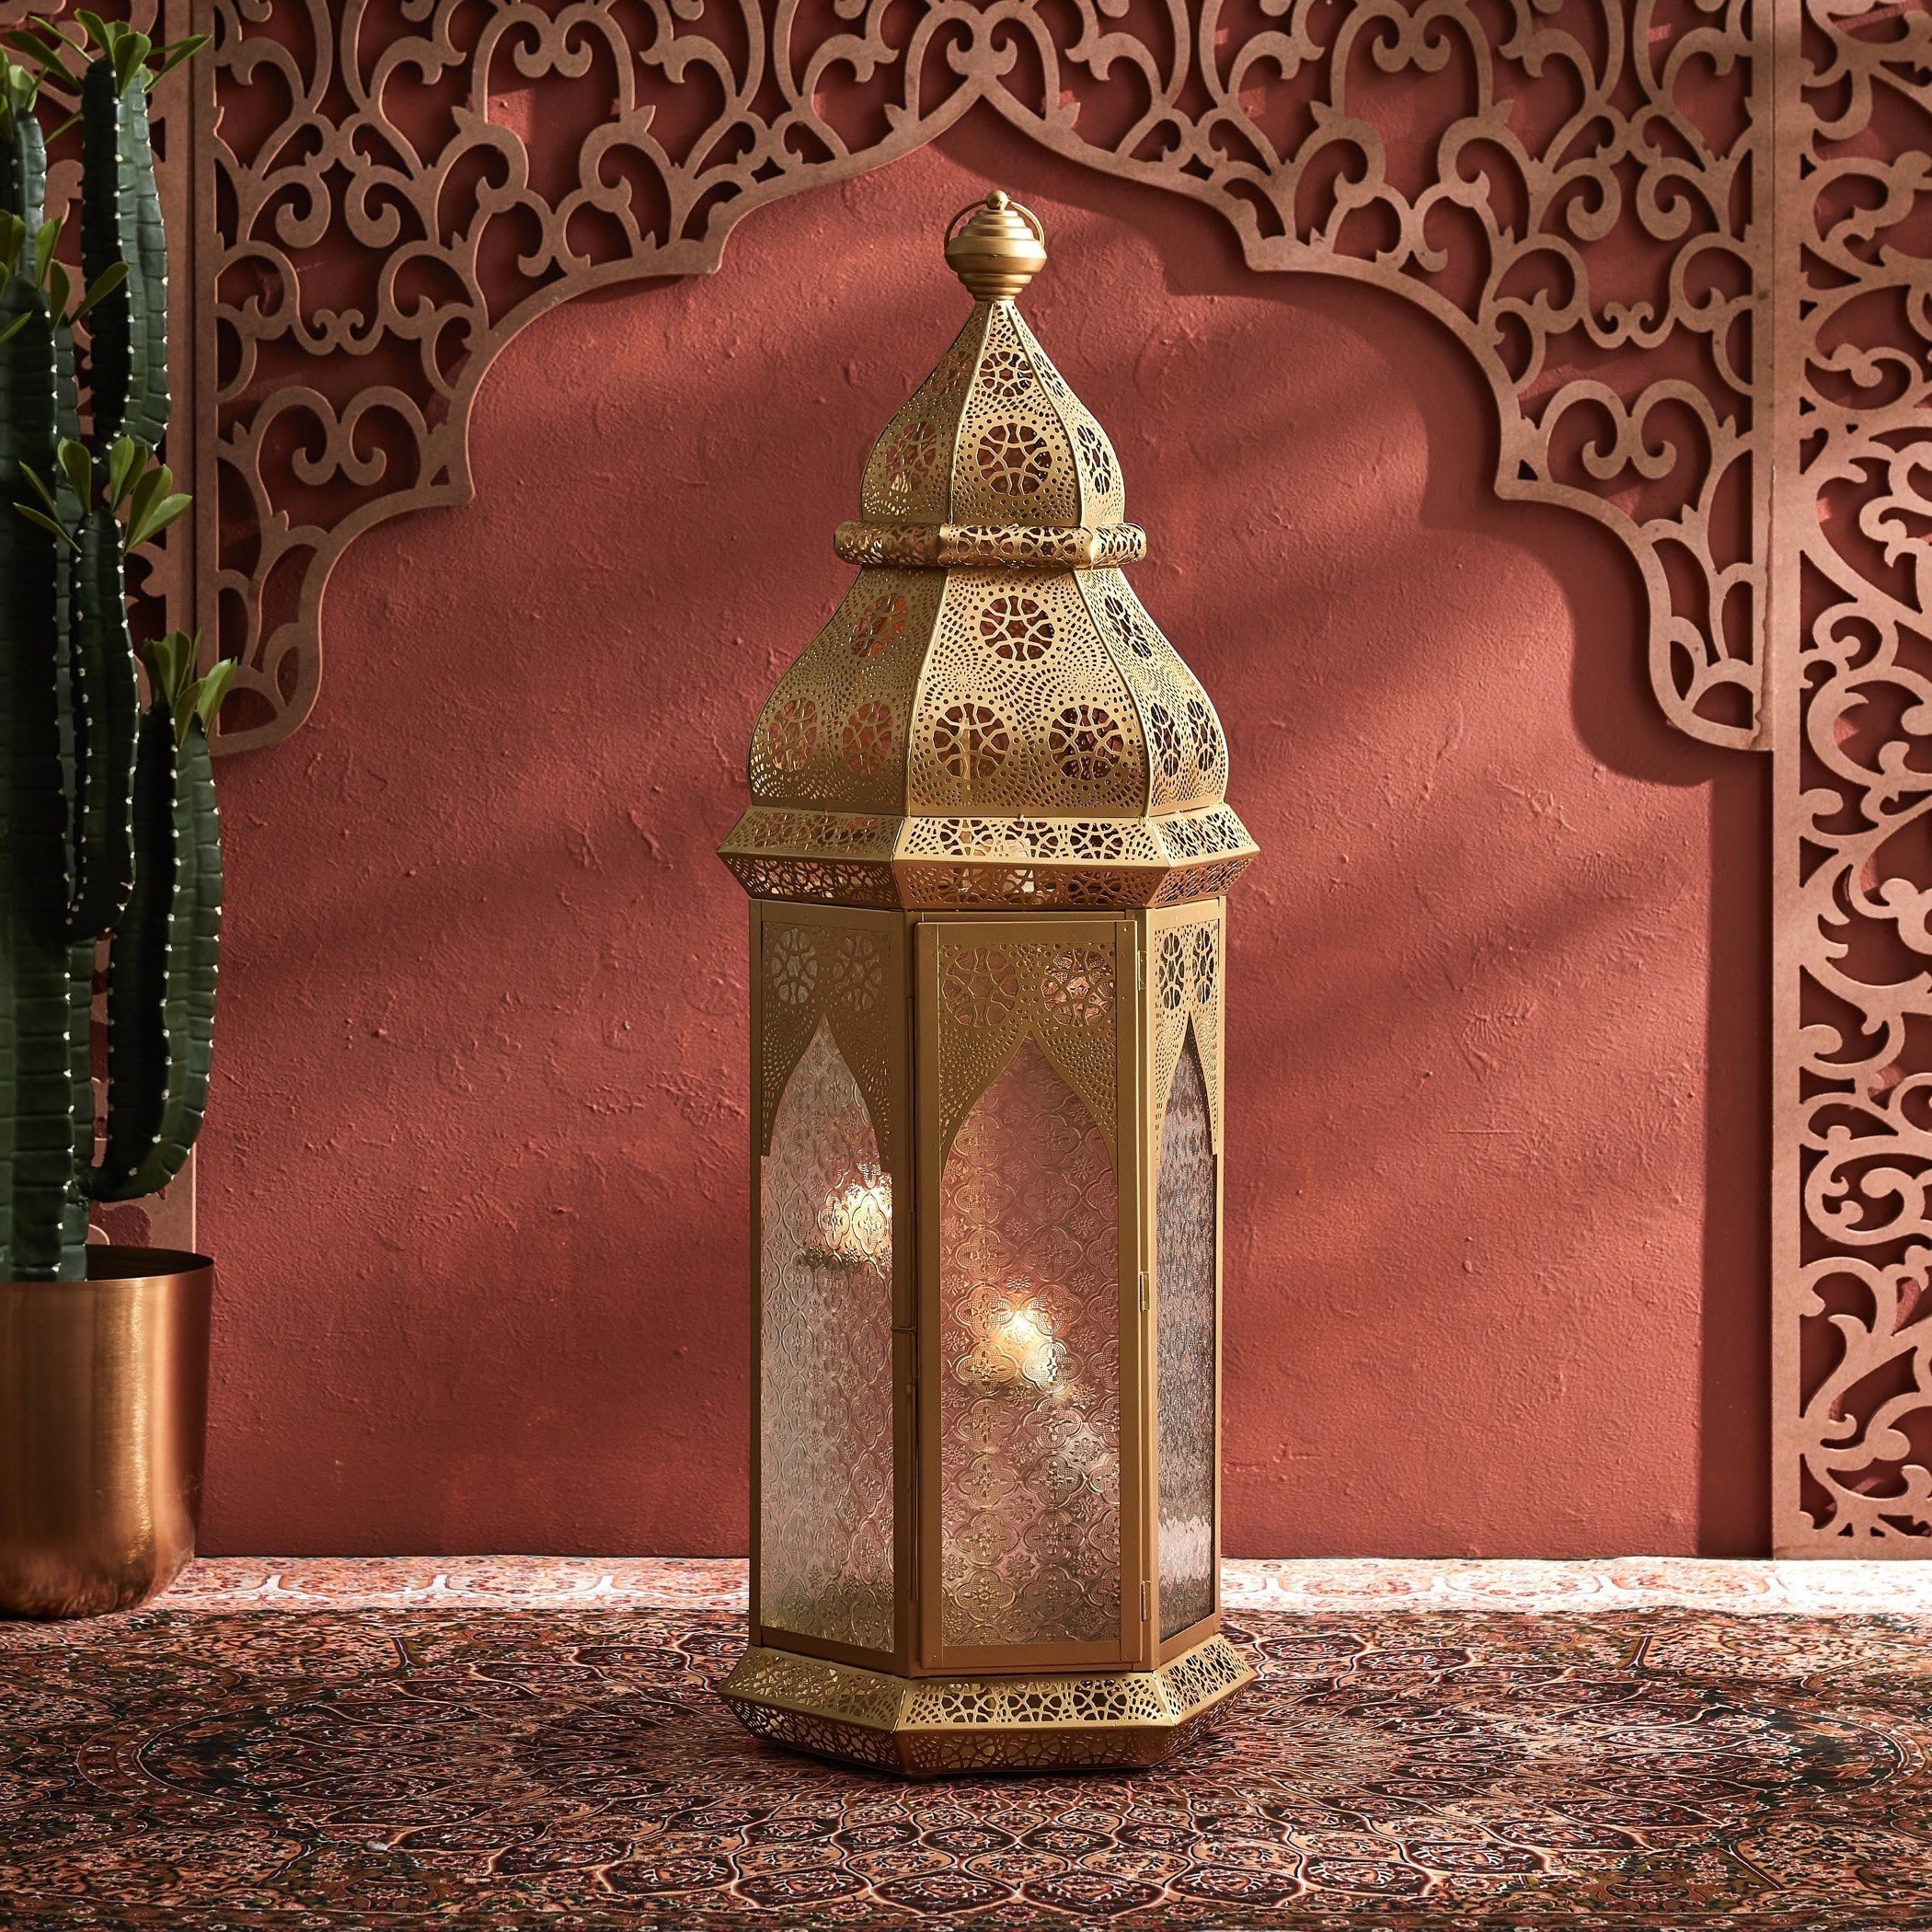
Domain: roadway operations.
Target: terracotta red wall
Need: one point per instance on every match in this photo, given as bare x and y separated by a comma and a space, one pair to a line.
476, 1170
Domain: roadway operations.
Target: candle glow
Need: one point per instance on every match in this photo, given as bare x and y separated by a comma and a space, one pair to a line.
854, 1224
1016, 1347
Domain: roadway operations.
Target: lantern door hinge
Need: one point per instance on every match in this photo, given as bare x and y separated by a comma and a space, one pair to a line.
1144, 1602
1136, 966
1144, 1291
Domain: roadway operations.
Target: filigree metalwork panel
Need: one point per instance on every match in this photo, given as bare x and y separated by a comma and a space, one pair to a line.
1187, 763
1853, 1238
1015, 448
1062, 994
1022, 864
845, 975
1077, 547
1570, 188
1185, 1376
1023, 711
1186, 963
1012, 731
825, 1362
1119, 1698
834, 731
1030, 1394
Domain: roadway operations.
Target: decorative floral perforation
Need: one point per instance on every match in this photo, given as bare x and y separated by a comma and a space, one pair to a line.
1342, 140
1187, 983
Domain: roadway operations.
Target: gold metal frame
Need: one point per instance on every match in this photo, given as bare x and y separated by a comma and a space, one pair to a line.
987, 817
1002, 932
909, 1015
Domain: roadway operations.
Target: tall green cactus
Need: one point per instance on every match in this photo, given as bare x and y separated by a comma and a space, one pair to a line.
107, 823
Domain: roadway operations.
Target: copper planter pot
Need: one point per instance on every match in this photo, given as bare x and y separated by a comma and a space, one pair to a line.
103, 1408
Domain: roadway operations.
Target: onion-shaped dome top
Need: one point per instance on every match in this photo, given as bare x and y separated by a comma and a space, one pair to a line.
989, 717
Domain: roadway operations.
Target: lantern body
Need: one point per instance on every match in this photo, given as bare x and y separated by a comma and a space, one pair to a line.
988, 853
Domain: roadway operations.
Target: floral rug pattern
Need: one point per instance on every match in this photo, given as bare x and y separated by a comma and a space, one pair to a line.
526, 1743
1246, 1584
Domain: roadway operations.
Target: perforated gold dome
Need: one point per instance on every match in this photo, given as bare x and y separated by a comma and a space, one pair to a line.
989, 717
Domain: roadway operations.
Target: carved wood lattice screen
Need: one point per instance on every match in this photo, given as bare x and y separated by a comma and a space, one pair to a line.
1685, 242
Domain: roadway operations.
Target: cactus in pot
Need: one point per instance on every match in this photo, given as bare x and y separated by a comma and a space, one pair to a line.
107, 823
108, 848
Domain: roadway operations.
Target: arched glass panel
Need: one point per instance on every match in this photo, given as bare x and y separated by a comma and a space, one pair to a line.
1030, 1398
825, 1404
1184, 1385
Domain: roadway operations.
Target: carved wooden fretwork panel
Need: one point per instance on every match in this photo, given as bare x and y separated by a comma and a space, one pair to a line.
1568, 184
1686, 244
1853, 882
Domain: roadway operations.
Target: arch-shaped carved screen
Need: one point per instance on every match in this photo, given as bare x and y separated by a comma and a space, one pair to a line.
1577, 192
1681, 243
825, 1362
1185, 1349
1029, 1351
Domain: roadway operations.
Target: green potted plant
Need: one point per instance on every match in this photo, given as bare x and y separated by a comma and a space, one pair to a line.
109, 856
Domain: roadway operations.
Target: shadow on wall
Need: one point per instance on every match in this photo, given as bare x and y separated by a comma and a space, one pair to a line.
476, 1170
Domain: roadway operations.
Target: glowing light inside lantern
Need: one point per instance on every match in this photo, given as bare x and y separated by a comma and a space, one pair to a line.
1015, 1345
854, 1224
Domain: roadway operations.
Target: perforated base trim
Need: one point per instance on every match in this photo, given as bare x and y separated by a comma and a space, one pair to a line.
932, 1727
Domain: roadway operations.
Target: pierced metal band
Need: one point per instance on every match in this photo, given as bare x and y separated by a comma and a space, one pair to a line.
934, 1727
937, 546
1023, 864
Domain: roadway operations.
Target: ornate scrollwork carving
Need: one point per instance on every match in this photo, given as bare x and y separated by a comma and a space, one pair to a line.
1568, 193
1585, 192
1852, 1422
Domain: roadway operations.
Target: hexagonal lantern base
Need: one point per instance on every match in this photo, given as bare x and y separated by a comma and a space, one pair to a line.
936, 1727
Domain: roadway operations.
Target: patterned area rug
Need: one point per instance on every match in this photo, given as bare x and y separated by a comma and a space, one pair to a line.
536, 1745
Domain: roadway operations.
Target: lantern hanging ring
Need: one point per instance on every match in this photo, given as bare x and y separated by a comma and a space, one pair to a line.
995, 247
998, 200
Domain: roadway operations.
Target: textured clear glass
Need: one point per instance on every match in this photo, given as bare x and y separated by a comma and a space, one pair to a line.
1030, 1398
1184, 1385
825, 1405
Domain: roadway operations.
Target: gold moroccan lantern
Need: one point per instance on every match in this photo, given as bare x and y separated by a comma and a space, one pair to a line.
986, 851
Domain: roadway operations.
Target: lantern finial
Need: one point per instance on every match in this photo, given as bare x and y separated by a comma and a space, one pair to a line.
999, 250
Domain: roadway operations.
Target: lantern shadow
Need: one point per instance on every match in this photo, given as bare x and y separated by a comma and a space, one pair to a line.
1612, 711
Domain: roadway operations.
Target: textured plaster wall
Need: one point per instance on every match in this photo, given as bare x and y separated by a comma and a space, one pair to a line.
475, 1169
